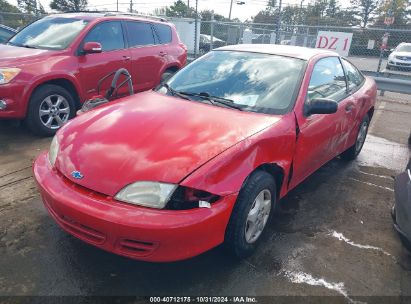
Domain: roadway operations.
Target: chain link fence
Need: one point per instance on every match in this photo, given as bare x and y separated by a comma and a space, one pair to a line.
365, 47
17, 20
365, 50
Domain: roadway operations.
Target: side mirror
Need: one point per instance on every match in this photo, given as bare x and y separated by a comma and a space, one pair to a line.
321, 106
92, 48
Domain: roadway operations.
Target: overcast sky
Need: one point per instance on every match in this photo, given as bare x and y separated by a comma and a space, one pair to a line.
222, 7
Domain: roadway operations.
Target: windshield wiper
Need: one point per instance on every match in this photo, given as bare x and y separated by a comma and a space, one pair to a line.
29, 46
174, 92
204, 95
215, 99
22, 45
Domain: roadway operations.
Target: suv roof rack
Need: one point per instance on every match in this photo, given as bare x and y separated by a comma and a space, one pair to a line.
135, 15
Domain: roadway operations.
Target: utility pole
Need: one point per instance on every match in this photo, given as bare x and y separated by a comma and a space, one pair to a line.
231, 8
131, 6
301, 12
277, 30
117, 5
195, 31
384, 39
188, 7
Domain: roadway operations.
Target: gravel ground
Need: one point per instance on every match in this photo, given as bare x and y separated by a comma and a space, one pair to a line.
334, 236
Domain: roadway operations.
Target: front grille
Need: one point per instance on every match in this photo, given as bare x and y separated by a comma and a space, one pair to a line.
77, 229
406, 58
82, 231
136, 248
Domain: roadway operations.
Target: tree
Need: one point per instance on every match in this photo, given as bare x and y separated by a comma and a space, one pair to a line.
180, 9
400, 11
69, 5
6, 7
27, 6
364, 10
10, 15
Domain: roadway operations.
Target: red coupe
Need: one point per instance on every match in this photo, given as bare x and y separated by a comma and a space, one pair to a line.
203, 159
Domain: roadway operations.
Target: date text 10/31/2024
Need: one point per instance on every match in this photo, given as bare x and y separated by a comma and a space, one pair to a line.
203, 300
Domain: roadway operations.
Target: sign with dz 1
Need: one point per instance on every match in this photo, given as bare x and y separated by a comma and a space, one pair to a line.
339, 42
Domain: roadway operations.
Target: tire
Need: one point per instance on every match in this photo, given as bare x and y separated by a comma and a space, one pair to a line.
240, 239
57, 106
352, 152
167, 75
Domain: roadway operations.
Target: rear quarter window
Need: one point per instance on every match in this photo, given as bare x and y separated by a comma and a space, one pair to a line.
164, 33
139, 34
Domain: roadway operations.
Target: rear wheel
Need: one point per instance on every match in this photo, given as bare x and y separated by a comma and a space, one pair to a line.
252, 211
354, 150
50, 107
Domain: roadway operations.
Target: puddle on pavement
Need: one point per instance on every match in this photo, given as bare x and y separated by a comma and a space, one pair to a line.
380, 152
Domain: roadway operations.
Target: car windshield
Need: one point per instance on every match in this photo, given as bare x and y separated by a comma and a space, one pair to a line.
54, 33
404, 48
246, 81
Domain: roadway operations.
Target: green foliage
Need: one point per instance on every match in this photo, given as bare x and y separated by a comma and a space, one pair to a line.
180, 9
364, 10
27, 6
399, 9
69, 5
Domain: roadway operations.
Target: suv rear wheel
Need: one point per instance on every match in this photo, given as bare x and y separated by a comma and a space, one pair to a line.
50, 107
167, 75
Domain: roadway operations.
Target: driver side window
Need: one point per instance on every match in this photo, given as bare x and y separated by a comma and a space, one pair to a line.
327, 80
108, 34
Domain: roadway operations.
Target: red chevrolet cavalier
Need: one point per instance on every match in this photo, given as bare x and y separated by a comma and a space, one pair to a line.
202, 160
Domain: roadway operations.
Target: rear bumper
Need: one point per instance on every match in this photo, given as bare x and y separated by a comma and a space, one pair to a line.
128, 230
11, 95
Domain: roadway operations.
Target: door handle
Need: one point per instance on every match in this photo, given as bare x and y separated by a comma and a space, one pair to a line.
162, 54
126, 58
349, 107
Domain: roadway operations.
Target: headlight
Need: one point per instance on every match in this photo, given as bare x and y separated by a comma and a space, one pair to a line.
147, 194
8, 74
54, 149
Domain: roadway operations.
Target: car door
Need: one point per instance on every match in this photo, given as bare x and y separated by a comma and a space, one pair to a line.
319, 135
115, 55
146, 55
358, 99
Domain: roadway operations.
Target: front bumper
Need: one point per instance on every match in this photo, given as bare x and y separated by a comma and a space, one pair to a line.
405, 64
136, 232
13, 104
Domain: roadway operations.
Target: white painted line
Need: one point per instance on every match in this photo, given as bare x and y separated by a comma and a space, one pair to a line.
306, 278
376, 175
371, 184
341, 237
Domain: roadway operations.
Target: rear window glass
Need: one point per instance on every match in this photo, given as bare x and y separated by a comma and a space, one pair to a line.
139, 34
163, 32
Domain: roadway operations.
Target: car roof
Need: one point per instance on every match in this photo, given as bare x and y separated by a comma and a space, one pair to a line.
276, 49
90, 16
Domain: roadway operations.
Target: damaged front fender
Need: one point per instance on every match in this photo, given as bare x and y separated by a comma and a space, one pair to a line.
226, 173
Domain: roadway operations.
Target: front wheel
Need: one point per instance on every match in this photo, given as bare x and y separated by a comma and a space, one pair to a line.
252, 211
50, 107
352, 152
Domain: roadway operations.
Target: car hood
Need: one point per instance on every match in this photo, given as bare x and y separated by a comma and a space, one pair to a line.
401, 54
11, 56
149, 137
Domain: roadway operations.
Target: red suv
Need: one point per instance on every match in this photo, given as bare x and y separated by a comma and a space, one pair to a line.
53, 65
